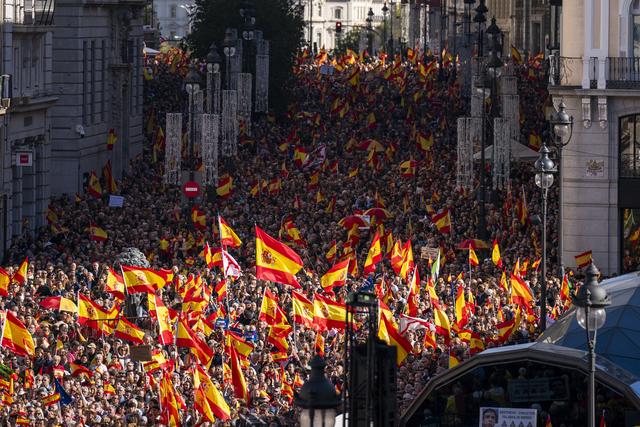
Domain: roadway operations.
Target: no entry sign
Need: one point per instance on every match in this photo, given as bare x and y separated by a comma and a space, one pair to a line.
191, 189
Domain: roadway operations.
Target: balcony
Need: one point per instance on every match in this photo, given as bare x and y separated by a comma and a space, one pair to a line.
619, 73
33, 12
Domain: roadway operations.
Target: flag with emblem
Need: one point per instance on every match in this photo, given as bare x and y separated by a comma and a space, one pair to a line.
374, 255
140, 280
302, 309
16, 337
276, 261
128, 331
20, 275
336, 276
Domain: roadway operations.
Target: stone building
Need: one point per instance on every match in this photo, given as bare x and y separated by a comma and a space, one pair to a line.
173, 18
598, 77
25, 126
97, 77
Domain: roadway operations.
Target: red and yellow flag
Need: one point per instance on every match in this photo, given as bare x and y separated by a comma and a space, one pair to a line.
214, 399
16, 337
441, 321
336, 276
185, 337
495, 254
302, 309
140, 280
374, 256
94, 188
115, 284
408, 168
473, 258
442, 220
97, 234
128, 331
584, 259
225, 186
520, 292
228, 237
5, 281
237, 377
112, 138
94, 316
275, 261
328, 314
270, 310
20, 275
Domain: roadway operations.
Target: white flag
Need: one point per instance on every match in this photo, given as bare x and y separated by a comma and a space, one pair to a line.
230, 266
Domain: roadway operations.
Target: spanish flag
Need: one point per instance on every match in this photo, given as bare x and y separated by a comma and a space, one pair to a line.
94, 316
442, 220
168, 401
328, 314
78, 369
515, 55
20, 275
520, 292
336, 276
59, 304
476, 344
275, 261
584, 259
198, 218
300, 156
139, 279
212, 395
462, 316
5, 281
354, 172
115, 284
403, 346
408, 168
94, 188
473, 258
225, 186
97, 234
212, 257
425, 142
302, 309
237, 378
109, 180
242, 346
371, 120
228, 237
16, 337
495, 254
270, 310
128, 331
565, 292
52, 399
443, 327
185, 337
374, 256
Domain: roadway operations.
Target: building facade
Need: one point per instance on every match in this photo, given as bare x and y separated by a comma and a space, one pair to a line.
173, 18
597, 75
97, 77
525, 24
25, 116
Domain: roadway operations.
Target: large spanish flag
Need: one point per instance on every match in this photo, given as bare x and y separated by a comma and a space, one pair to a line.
442, 220
270, 310
329, 314
97, 234
210, 392
228, 237
139, 280
302, 309
5, 280
94, 316
336, 276
443, 327
94, 188
275, 261
495, 254
115, 284
374, 256
16, 337
237, 377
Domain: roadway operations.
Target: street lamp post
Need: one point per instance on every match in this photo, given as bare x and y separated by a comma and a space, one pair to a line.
192, 86
480, 19
317, 399
544, 168
213, 79
468, 4
370, 30
385, 10
229, 51
248, 34
561, 131
591, 300
393, 11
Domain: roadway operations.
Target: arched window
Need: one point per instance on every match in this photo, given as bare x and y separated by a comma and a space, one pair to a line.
634, 14
337, 13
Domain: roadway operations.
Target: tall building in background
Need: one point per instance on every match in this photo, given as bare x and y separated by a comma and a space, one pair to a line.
173, 18
525, 23
25, 116
97, 77
598, 77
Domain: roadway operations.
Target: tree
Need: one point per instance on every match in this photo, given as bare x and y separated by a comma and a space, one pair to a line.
351, 40
280, 22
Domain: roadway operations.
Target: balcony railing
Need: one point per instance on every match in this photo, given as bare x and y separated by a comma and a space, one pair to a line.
619, 73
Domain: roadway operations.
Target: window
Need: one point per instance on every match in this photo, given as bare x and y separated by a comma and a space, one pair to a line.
629, 144
173, 11
320, 10
630, 240
337, 13
635, 30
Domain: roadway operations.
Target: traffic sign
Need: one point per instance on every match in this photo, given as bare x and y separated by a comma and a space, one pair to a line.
191, 189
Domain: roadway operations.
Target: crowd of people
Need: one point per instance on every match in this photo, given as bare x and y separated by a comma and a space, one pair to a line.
335, 153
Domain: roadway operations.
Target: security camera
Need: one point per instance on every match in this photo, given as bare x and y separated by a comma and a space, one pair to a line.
80, 130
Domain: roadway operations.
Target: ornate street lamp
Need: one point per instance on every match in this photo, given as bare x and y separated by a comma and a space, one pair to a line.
317, 399
590, 301
561, 124
385, 10
544, 169
370, 30
213, 79
192, 86
229, 50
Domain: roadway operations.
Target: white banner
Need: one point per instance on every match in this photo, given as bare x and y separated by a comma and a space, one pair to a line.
498, 417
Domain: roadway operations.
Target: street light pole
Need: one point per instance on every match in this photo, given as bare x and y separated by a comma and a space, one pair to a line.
369, 21
561, 131
385, 10
393, 11
229, 51
317, 400
480, 19
544, 168
192, 86
591, 300
213, 80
